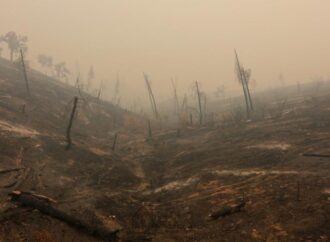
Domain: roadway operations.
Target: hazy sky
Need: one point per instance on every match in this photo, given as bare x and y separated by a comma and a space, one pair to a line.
188, 39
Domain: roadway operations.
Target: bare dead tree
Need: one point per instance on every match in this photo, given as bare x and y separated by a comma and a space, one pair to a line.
176, 99
68, 130
199, 104
116, 97
242, 81
25, 74
246, 81
151, 96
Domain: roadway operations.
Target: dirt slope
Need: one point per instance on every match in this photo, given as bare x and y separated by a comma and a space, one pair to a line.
162, 188
32, 138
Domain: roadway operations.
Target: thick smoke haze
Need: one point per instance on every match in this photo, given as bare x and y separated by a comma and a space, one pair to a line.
186, 39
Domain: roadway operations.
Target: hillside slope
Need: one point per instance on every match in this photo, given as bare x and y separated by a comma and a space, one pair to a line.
33, 140
164, 187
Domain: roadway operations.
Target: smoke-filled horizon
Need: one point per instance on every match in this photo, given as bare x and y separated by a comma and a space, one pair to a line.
187, 40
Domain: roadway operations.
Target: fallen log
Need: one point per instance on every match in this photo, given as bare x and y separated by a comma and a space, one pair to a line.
226, 210
39, 196
316, 155
10, 170
45, 207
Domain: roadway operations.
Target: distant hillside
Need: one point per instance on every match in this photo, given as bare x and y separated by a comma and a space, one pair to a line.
49, 106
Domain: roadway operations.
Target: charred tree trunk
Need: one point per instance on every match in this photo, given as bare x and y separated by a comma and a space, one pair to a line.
151, 97
25, 74
27, 199
68, 130
248, 91
242, 80
227, 210
199, 104
205, 105
176, 99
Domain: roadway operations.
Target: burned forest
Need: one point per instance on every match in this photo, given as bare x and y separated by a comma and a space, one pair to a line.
159, 121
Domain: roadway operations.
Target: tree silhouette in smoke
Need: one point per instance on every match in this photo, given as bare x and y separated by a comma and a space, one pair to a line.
15, 43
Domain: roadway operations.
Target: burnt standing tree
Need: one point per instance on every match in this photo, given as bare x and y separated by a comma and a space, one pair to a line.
199, 104
116, 96
151, 96
25, 74
243, 77
68, 130
176, 99
247, 76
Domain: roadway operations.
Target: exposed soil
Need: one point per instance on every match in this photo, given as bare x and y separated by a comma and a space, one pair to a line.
162, 188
